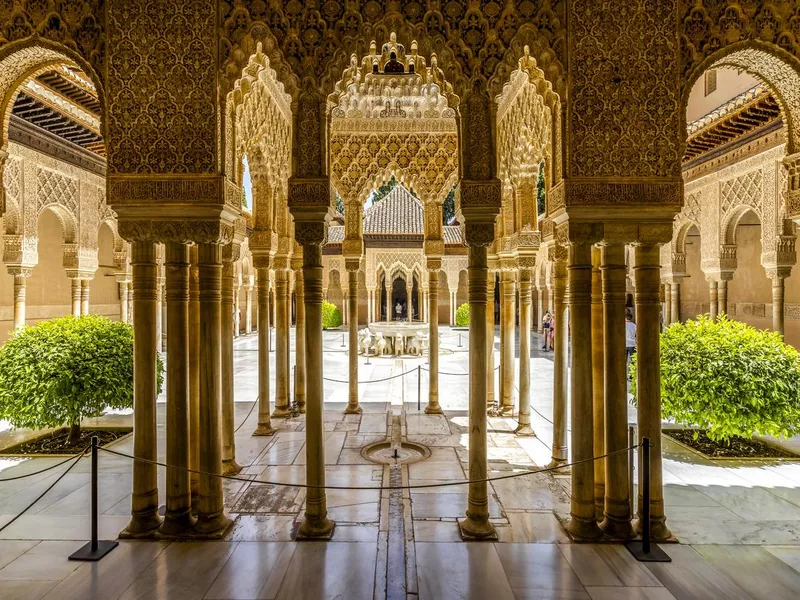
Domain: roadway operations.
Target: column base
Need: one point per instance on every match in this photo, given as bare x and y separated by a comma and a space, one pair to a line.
524, 430
141, 525
659, 532
581, 529
301, 407
619, 529
283, 412
231, 467
315, 529
559, 466
433, 409
178, 524
476, 530
263, 430
212, 527
353, 409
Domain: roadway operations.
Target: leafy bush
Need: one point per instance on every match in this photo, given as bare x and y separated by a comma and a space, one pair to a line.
729, 378
462, 315
331, 315
63, 370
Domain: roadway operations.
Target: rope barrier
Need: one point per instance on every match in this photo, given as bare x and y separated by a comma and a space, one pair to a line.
248, 415
365, 488
371, 380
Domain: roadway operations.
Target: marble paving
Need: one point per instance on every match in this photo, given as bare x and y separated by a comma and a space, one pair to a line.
738, 523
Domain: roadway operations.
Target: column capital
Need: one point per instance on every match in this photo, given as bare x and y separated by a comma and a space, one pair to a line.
214, 231
433, 264
19, 271
352, 263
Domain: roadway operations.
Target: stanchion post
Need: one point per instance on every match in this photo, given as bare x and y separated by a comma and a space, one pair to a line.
643, 550
95, 549
419, 388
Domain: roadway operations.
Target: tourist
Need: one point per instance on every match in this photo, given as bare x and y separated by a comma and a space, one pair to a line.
398, 310
630, 341
547, 323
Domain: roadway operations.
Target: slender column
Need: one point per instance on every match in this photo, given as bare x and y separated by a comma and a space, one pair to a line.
540, 310
524, 427
713, 295
264, 426
163, 315
560, 364
490, 283
507, 335
211, 517
389, 304
551, 297
434, 265
281, 346
237, 319
777, 304
617, 521
722, 297
675, 298
353, 408
667, 304
130, 302
85, 283
229, 464
248, 309
299, 342
345, 306
178, 518
194, 374
583, 522
409, 304
76, 297
598, 384
316, 523
20, 277
144, 499
159, 304
648, 381
477, 524
123, 301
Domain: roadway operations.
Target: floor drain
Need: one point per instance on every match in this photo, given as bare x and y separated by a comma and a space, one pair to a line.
387, 453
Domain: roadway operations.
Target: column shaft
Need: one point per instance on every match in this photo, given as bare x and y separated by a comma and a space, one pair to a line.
178, 518
560, 364
489, 317
144, 499
229, 464
433, 407
159, 315
507, 336
85, 283
264, 426
722, 297
540, 310
713, 295
352, 349
281, 346
648, 380
778, 305
19, 300
524, 427
598, 384
583, 522
123, 301
667, 304
248, 308
237, 321
211, 518
617, 522
76, 297
130, 302
675, 298
299, 342
194, 374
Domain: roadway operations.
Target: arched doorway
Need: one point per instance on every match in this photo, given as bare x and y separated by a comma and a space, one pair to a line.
399, 299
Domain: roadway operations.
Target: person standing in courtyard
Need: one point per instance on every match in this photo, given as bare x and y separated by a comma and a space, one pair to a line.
630, 341
547, 323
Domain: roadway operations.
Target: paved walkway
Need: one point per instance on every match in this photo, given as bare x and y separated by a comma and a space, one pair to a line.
739, 524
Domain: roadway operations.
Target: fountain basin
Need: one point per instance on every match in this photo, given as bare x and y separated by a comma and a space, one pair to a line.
387, 453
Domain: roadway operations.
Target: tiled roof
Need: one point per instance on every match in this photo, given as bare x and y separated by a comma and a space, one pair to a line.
452, 234
335, 234
398, 213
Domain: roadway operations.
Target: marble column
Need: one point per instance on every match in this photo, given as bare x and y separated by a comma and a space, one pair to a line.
345, 306
667, 305
476, 525
144, 498
583, 521
524, 427
540, 310
20, 278
123, 301
353, 408
211, 517
281, 346
130, 302
453, 307
229, 464
264, 426
194, 375
598, 385
490, 284
389, 304
159, 304
507, 339
409, 303
76, 297
315, 524
675, 300
722, 297
560, 363
551, 297
617, 512
248, 309
299, 342
434, 265
85, 283
178, 518
778, 304
237, 317
648, 381
713, 298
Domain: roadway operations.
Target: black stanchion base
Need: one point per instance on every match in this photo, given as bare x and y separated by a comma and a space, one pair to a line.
656, 554
85, 552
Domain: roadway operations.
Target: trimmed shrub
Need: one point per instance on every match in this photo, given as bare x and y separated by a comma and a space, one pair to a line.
462, 315
63, 370
331, 315
729, 378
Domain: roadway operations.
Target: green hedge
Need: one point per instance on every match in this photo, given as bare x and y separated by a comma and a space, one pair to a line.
63, 370
729, 378
331, 315
462, 315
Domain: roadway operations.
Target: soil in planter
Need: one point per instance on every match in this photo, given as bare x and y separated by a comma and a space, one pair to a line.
57, 442
736, 447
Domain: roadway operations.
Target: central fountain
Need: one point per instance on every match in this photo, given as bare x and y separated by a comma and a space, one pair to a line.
393, 337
